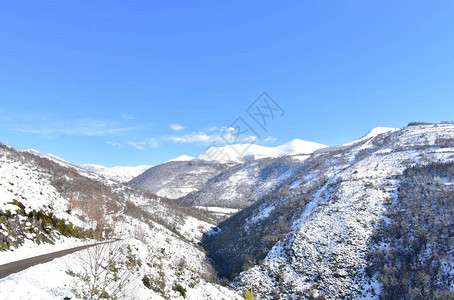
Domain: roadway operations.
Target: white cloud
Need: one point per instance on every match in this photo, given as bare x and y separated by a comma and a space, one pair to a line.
85, 127
138, 145
270, 139
127, 117
231, 138
222, 135
115, 144
211, 128
192, 138
153, 143
50, 128
176, 126
249, 139
98, 127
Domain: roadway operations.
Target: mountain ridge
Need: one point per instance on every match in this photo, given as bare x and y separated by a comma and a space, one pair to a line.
118, 173
342, 222
227, 157
314, 235
240, 153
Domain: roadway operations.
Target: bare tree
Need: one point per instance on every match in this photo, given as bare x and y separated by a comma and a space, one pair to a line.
105, 272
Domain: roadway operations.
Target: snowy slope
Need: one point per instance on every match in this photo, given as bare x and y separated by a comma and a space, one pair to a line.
241, 185
312, 235
24, 180
185, 174
79, 169
122, 174
309, 232
176, 179
182, 158
240, 153
49, 156
62, 162
159, 240
373, 133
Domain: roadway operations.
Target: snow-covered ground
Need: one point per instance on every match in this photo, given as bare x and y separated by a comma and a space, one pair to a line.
219, 211
31, 186
326, 251
161, 245
122, 174
56, 280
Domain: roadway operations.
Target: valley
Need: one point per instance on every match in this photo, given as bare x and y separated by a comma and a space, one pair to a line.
292, 222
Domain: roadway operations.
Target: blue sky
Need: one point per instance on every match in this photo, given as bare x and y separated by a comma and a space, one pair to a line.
141, 82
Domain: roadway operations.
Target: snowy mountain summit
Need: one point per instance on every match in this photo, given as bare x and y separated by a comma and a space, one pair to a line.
182, 158
240, 153
373, 133
118, 173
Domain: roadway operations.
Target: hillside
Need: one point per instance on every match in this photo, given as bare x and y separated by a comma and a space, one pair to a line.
45, 203
371, 219
121, 174
241, 185
176, 179
206, 179
315, 235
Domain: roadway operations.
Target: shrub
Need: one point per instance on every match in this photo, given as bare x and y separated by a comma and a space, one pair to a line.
41, 225
104, 272
146, 280
179, 288
157, 284
418, 123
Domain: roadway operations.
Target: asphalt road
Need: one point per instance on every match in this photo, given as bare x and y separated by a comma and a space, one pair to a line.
20, 265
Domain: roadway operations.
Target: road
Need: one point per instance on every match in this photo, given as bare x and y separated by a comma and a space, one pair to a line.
20, 265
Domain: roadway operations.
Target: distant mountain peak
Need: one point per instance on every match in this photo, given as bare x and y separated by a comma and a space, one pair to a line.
240, 153
298, 146
379, 130
372, 133
183, 157
119, 173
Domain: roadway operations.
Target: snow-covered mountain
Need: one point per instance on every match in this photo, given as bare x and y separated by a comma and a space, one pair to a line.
185, 174
373, 133
371, 219
241, 185
182, 158
62, 162
122, 174
45, 202
336, 229
49, 156
176, 179
240, 153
